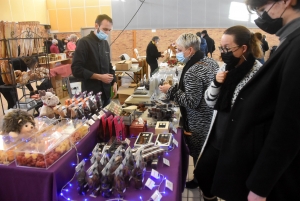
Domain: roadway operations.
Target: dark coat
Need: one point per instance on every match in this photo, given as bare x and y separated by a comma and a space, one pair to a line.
210, 43
92, 55
261, 146
152, 53
60, 46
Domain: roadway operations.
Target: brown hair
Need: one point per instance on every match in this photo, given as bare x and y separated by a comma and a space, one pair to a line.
242, 36
259, 36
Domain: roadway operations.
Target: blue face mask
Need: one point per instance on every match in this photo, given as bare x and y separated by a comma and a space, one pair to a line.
180, 57
101, 35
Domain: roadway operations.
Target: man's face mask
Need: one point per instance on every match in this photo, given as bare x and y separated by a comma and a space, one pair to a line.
101, 35
267, 24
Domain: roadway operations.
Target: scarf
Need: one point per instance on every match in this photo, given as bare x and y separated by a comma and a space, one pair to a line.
234, 77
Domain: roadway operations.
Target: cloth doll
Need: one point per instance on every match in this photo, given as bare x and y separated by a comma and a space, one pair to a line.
18, 122
49, 102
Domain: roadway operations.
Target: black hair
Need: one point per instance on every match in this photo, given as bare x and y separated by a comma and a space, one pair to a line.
255, 4
198, 34
155, 38
102, 17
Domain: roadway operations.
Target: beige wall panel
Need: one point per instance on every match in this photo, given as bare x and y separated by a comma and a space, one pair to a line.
41, 11
91, 15
62, 4
64, 20
105, 10
77, 3
53, 19
92, 3
78, 18
5, 12
17, 10
51, 4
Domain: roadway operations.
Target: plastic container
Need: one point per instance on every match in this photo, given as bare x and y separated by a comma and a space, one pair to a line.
44, 150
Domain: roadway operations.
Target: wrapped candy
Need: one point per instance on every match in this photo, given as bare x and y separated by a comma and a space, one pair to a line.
81, 175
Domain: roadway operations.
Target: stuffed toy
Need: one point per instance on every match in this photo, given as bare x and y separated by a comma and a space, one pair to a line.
18, 122
49, 102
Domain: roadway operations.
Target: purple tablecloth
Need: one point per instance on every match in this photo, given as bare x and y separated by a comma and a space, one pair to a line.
32, 184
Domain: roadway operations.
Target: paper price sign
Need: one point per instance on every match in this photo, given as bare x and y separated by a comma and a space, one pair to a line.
169, 185
156, 196
91, 121
154, 174
95, 117
175, 142
150, 183
166, 161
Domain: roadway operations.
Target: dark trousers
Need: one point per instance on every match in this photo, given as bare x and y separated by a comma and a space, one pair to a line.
205, 170
153, 67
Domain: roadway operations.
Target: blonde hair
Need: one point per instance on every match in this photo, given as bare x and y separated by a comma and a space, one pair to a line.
187, 40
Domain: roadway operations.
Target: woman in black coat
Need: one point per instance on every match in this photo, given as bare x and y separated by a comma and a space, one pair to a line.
260, 155
153, 54
239, 48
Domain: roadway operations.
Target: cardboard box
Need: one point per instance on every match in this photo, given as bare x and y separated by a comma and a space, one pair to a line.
124, 93
65, 94
58, 91
56, 83
123, 65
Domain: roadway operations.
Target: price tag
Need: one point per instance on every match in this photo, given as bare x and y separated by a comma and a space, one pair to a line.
127, 141
91, 122
175, 142
154, 174
169, 185
101, 113
93, 159
150, 183
166, 161
95, 117
174, 129
156, 196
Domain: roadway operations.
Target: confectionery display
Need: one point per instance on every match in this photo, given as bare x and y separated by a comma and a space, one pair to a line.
44, 150
164, 140
143, 138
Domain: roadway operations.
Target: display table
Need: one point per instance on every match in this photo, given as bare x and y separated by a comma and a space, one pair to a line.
24, 184
62, 70
33, 184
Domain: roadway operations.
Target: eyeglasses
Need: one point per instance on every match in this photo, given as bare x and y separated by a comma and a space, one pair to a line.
227, 49
260, 12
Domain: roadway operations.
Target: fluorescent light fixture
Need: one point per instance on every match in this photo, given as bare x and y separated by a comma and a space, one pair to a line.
238, 11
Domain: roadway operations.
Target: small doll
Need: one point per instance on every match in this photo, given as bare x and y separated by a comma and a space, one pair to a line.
18, 122
49, 102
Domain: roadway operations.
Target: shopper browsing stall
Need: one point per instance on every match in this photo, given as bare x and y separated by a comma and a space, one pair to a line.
91, 60
260, 154
196, 76
239, 48
54, 47
71, 45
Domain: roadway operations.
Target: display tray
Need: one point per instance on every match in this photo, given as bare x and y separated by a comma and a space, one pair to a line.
44, 149
143, 138
9, 145
164, 140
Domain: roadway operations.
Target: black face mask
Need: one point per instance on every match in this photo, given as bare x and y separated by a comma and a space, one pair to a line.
267, 24
230, 60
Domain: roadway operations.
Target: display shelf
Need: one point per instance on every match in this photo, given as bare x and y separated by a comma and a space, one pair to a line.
30, 44
53, 62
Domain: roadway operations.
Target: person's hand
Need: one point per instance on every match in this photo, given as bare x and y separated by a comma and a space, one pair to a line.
115, 90
253, 197
221, 76
164, 88
106, 78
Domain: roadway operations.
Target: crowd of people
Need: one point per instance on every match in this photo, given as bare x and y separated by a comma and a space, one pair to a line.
55, 45
241, 121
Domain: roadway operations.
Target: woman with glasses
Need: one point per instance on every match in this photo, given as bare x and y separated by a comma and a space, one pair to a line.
239, 48
196, 76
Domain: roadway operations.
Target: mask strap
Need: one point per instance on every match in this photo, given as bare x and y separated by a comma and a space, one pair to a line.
244, 57
98, 30
283, 12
